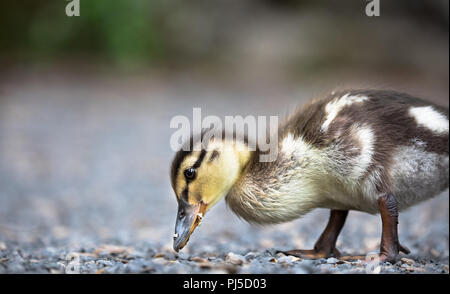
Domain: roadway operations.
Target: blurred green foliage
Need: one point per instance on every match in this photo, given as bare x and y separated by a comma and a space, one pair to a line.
177, 32
121, 31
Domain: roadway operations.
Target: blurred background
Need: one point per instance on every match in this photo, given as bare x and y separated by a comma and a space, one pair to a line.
85, 106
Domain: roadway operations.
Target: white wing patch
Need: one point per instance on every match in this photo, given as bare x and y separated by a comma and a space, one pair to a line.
367, 141
429, 118
333, 107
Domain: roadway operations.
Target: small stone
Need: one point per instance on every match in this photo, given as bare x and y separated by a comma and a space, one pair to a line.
85, 257
270, 252
332, 260
205, 265
218, 271
234, 258
415, 269
3, 246
104, 262
405, 265
377, 270
113, 250
300, 270
434, 252
199, 259
407, 261
161, 261
288, 259
250, 255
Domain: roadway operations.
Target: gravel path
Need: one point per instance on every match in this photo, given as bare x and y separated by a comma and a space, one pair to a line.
239, 248
84, 186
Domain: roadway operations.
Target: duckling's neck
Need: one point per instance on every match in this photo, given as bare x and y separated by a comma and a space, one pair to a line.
278, 191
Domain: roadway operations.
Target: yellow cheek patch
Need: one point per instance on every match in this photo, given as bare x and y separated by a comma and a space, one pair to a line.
215, 178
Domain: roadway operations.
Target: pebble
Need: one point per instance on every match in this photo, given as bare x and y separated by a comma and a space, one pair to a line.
415, 269
104, 262
407, 261
288, 259
167, 255
3, 246
205, 265
270, 252
56, 261
199, 259
161, 261
234, 258
435, 253
251, 255
332, 260
300, 270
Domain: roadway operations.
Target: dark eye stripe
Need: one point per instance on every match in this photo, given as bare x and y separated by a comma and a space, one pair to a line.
185, 193
200, 159
214, 155
176, 164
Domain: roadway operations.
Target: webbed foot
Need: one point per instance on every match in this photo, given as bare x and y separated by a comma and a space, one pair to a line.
312, 253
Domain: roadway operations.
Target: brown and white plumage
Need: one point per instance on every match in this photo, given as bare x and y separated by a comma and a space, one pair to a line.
341, 152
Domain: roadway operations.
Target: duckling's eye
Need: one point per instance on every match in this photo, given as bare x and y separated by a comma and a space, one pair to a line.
190, 173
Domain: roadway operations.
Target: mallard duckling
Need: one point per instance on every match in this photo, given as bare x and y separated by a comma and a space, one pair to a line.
374, 151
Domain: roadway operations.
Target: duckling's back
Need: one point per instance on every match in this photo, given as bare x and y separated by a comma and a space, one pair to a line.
376, 142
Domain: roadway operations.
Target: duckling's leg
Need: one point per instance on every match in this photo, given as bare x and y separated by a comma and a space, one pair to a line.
326, 245
390, 246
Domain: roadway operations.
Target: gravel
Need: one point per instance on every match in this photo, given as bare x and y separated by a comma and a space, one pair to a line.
114, 259
87, 190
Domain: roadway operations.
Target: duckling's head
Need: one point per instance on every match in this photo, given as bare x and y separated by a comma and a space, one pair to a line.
200, 179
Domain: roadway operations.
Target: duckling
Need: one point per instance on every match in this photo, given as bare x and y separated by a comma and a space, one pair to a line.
374, 151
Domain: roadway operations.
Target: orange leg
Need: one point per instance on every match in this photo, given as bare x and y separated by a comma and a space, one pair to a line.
390, 246
326, 245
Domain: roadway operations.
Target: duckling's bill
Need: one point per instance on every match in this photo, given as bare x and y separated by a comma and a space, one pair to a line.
189, 217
